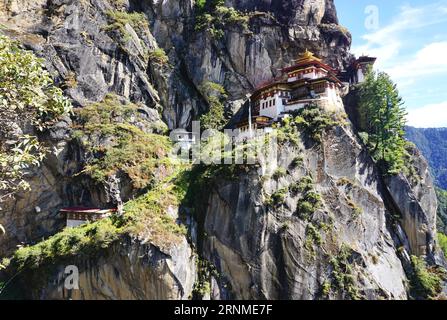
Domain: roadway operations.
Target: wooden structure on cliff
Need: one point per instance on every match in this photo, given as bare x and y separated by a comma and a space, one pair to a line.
77, 216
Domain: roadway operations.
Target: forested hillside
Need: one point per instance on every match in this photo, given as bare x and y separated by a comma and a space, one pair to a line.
433, 145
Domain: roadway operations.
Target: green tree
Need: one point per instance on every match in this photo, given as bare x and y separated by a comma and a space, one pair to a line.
442, 242
383, 117
29, 102
216, 96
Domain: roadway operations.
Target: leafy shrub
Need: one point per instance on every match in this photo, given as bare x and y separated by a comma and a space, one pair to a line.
119, 20
343, 274
158, 55
70, 242
326, 288
314, 121
442, 242
277, 198
426, 282
142, 156
310, 200
297, 161
200, 5
287, 131
279, 173
313, 237
149, 218
214, 17
28, 101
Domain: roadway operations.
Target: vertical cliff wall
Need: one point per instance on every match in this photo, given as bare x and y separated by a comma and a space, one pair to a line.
355, 244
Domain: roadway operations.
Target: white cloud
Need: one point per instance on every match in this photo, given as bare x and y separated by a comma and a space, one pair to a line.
430, 60
412, 48
429, 116
388, 42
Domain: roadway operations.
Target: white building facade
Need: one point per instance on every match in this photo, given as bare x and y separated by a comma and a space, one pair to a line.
308, 81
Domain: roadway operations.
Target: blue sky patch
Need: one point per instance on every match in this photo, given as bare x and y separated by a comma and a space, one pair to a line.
410, 40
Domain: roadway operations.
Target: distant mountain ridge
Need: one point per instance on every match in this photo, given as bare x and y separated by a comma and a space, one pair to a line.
433, 144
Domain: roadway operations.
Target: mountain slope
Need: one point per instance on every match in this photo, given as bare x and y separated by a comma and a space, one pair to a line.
433, 145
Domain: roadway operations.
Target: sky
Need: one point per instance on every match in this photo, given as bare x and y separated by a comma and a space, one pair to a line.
409, 38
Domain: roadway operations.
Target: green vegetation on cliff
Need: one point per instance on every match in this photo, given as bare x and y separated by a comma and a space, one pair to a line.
119, 19
312, 121
310, 200
442, 242
29, 102
146, 218
216, 96
83, 240
149, 214
426, 281
112, 133
343, 274
213, 16
159, 56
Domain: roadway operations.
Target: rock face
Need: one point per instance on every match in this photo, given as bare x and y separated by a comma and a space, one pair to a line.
417, 204
263, 252
127, 270
90, 62
278, 33
345, 249
302, 12
30, 216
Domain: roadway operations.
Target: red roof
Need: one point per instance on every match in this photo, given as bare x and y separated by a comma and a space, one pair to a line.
84, 210
270, 82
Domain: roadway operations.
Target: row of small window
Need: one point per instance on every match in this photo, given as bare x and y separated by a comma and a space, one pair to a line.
285, 94
268, 104
247, 128
307, 71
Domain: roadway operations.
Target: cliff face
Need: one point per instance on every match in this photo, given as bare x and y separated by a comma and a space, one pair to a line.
89, 60
274, 253
350, 247
126, 270
433, 145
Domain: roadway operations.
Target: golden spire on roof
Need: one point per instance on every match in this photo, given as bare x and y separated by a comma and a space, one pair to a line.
307, 56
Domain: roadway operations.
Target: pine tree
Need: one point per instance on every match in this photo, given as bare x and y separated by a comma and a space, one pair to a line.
383, 117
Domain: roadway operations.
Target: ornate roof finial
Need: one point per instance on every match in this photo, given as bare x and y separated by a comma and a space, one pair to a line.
307, 56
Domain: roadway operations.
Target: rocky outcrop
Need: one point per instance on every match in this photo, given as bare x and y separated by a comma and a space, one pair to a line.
277, 34
30, 216
264, 253
128, 270
410, 194
89, 60
416, 201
